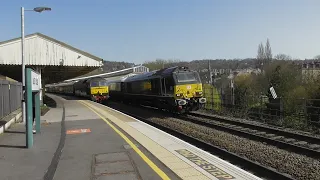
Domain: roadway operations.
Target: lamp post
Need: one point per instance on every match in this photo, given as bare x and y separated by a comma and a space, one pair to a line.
39, 10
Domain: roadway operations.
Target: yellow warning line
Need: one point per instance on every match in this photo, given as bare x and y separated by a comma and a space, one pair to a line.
141, 154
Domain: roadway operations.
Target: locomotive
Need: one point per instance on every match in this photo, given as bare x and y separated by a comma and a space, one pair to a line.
95, 89
175, 89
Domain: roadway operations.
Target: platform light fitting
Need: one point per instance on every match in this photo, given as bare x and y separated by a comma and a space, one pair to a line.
40, 9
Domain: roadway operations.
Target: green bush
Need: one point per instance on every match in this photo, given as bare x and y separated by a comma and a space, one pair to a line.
213, 97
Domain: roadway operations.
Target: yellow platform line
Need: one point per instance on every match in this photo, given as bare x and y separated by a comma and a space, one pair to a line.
141, 154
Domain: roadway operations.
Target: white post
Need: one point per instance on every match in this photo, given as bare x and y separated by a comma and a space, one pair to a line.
39, 69
23, 68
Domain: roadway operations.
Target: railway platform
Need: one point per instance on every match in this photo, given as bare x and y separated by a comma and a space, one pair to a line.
81, 139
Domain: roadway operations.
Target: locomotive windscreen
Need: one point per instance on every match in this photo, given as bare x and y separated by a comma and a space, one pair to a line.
187, 77
98, 83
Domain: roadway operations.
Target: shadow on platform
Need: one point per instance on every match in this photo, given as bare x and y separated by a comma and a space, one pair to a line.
4, 145
12, 146
49, 102
67, 97
14, 132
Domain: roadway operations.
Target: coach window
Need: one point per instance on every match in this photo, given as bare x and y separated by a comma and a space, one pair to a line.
148, 86
169, 82
155, 84
136, 87
129, 87
163, 86
123, 87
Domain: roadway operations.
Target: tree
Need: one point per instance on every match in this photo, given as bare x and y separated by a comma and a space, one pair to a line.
268, 52
260, 56
154, 65
283, 57
162, 63
317, 57
284, 77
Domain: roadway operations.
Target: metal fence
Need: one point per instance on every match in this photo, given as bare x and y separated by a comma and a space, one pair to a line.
10, 97
288, 112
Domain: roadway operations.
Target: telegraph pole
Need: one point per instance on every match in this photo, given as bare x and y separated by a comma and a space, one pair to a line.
210, 74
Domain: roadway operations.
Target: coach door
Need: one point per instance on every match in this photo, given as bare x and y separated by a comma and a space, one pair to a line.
163, 86
167, 86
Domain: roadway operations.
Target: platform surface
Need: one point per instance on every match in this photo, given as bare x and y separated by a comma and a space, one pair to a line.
101, 153
17, 162
84, 140
91, 149
187, 161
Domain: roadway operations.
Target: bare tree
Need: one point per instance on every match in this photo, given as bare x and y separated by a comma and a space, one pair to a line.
283, 57
260, 56
268, 52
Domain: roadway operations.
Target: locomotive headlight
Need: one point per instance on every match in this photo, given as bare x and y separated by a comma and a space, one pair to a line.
181, 102
202, 100
179, 94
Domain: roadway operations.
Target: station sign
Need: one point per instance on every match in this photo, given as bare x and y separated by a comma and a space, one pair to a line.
35, 81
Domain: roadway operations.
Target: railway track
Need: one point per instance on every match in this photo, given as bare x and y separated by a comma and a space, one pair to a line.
294, 142
251, 166
290, 141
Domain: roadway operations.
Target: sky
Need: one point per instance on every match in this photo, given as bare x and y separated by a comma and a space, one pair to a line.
144, 30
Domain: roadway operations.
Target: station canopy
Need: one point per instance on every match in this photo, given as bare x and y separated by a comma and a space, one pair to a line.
56, 60
114, 75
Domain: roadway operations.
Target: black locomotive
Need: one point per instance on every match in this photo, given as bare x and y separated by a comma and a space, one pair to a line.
175, 89
95, 88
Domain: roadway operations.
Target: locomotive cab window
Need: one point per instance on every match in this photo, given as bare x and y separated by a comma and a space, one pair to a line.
94, 83
103, 83
187, 78
155, 83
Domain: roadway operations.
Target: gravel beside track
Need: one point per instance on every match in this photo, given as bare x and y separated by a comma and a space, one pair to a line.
208, 112
300, 167
296, 165
297, 143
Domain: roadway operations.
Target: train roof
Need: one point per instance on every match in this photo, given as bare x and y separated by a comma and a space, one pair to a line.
161, 72
90, 79
61, 84
119, 78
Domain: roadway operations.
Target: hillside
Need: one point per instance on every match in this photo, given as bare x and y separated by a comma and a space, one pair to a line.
198, 65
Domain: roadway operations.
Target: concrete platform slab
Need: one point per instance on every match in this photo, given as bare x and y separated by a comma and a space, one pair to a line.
186, 160
101, 153
114, 146
17, 162
127, 176
112, 157
53, 115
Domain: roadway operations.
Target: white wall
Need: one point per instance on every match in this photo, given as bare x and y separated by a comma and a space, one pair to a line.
40, 51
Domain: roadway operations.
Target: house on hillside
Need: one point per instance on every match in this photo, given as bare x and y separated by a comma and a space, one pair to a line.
311, 70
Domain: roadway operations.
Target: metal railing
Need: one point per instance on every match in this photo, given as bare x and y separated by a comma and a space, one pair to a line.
10, 97
287, 112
